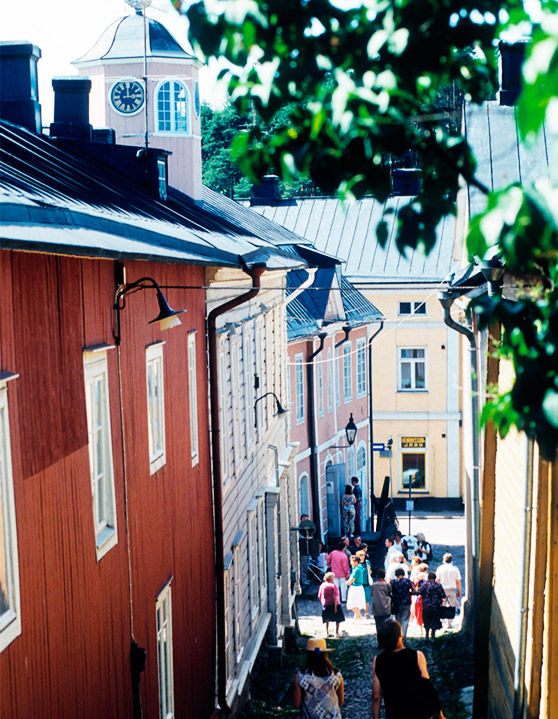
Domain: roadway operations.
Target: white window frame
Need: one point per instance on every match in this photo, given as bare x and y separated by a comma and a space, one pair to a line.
304, 494
320, 388
172, 81
224, 410
155, 407
10, 618
414, 308
347, 372
193, 399
361, 366
350, 463
163, 609
336, 381
299, 388
413, 361
329, 381
253, 564
248, 375
95, 368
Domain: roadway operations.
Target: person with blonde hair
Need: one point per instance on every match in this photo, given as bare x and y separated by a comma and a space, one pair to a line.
328, 594
319, 691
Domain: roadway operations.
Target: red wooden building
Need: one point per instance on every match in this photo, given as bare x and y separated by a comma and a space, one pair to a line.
106, 531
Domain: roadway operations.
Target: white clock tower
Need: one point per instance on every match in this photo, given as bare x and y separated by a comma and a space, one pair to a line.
145, 87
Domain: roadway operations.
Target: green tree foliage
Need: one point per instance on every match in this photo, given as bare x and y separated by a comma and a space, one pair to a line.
362, 81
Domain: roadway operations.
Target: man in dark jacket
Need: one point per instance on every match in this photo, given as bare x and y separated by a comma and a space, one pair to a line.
402, 591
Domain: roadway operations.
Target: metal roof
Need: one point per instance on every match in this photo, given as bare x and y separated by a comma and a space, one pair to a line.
492, 132
312, 310
124, 40
348, 231
55, 197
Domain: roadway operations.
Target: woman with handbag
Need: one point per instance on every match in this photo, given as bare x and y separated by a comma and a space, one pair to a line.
433, 595
398, 667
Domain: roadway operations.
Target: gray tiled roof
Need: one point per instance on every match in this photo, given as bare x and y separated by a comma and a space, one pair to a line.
502, 159
349, 233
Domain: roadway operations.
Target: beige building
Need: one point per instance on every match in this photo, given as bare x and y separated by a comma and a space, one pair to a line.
416, 385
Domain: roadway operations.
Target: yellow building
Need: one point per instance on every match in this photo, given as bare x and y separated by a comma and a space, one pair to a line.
416, 383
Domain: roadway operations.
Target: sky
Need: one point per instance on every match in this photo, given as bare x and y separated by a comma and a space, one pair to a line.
65, 30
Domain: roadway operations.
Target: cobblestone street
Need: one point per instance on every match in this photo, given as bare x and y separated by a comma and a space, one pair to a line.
449, 656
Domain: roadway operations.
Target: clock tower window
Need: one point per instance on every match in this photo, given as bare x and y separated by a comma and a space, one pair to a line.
173, 108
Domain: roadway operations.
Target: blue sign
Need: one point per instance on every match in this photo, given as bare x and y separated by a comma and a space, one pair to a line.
378, 446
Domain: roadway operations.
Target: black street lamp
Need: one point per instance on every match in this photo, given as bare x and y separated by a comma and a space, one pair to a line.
351, 431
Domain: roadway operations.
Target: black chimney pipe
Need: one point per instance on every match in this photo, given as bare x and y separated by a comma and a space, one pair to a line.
19, 96
71, 108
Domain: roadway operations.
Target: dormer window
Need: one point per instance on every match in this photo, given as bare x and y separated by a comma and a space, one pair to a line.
172, 102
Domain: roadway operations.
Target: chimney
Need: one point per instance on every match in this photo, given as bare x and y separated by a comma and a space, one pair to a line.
267, 192
406, 181
71, 108
511, 61
19, 97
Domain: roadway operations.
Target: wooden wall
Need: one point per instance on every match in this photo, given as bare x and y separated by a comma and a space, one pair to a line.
79, 615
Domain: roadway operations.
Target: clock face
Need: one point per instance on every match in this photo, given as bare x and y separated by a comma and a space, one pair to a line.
127, 96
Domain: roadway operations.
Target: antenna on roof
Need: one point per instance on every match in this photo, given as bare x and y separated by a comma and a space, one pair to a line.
139, 6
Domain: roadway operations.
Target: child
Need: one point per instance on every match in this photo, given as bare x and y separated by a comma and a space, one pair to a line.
328, 594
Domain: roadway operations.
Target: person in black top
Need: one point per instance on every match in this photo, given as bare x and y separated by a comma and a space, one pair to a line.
398, 667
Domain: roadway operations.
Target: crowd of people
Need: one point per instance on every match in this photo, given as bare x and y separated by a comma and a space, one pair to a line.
405, 589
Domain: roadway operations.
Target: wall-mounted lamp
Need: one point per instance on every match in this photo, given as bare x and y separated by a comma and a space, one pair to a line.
280, 409
167, 317
350, 432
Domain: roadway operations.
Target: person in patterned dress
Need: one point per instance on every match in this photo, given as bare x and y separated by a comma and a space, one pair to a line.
318, 691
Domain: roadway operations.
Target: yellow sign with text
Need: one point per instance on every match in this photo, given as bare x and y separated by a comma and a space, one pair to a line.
413, 442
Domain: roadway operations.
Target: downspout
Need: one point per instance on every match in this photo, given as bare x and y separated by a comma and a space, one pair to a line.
314, 473
255, 273
371, 423
446, 299
525, 563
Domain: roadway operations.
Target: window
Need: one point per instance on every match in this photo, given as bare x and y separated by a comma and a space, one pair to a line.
412, 369
336, 379
10, 614
329, 381
361, 466
173, 108
100, 449
304, 494
253, 564
347, 372
412, 308
350, 462
299, 388
164, 653
155, 406
413, 463
193, 398
320, 388
248, 360
361, 367
224, 410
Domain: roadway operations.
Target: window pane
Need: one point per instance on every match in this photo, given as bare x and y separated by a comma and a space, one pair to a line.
420, 375
180, 108
164, 108
420, 308
413, 467
405, 375
404, 308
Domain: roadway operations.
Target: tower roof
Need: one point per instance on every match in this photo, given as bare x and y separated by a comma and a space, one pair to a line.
124, 40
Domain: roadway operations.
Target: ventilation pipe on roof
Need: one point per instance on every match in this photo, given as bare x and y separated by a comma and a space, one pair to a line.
267, 192
71, 108
511, 61
19, 97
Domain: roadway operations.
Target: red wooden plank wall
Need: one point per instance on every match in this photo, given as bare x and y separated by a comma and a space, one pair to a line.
78, 615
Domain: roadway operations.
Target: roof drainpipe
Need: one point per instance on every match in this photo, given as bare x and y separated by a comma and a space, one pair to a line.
519, 684
314, 473
371, 421
255, 273
446, 299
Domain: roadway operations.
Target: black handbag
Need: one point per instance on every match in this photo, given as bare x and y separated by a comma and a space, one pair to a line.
447, 612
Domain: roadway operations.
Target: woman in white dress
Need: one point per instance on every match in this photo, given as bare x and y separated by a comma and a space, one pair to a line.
318, 691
